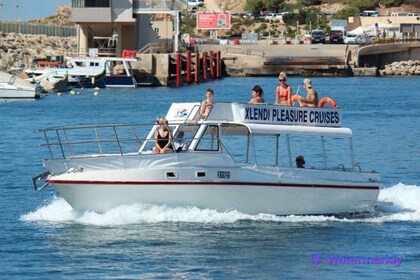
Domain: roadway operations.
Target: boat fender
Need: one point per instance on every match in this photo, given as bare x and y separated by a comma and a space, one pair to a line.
328, 100
296, 98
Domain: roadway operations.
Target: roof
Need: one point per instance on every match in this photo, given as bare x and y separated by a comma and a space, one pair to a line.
272, 129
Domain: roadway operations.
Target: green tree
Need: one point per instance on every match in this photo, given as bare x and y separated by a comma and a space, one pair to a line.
312, 16
275, 5
347, 12
364, 4
290, 19
255, 6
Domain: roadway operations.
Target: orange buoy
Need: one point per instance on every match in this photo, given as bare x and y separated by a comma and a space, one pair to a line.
296, 98
328, 100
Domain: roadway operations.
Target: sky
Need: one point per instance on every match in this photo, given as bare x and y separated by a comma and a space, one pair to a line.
28, 9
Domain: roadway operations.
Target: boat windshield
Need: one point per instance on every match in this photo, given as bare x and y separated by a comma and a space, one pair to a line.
319, 151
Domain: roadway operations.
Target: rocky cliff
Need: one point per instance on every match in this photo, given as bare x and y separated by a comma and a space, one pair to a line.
17, 49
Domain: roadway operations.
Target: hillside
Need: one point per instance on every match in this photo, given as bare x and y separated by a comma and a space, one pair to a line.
62, 16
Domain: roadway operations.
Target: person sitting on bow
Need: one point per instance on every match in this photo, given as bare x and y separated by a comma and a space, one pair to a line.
163, 138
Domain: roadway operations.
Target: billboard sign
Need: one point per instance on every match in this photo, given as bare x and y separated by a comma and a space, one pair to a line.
213, 20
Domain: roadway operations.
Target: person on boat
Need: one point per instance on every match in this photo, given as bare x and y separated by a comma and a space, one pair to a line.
300, 162
311, 99
257, 93
283, 91
163, 138
207, 104
179, 141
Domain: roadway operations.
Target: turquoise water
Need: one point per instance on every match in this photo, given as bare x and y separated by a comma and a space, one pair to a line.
43, 238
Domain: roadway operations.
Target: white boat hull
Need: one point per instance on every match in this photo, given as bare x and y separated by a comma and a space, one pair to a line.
15, 92
249, 189
284, 200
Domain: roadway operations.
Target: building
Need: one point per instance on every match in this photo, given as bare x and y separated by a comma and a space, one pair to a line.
113, 26
408, 26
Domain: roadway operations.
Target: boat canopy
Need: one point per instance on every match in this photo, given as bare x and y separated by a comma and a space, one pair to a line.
270, 129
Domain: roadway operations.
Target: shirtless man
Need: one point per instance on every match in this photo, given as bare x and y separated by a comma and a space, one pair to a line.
311, 99
207, 104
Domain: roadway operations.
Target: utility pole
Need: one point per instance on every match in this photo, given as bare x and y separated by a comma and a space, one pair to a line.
17, 12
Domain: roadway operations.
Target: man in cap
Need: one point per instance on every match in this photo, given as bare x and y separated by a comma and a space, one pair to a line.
311, 99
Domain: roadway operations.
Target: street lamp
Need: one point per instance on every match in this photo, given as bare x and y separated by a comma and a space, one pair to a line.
17, 12
1, 8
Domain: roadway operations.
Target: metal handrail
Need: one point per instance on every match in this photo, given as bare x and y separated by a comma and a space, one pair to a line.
82, 140
62, 138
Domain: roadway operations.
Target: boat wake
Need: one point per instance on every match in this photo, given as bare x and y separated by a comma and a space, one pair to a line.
404, 199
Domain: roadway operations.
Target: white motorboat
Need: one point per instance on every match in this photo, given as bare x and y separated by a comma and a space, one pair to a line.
240, 158
15, 88
91, 72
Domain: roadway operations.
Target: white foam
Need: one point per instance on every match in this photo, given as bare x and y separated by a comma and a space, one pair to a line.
404, 198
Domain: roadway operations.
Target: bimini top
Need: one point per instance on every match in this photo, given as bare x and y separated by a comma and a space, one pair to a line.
259, 114
271, 129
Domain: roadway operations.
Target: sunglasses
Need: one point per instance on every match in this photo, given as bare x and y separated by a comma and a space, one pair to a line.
282, 80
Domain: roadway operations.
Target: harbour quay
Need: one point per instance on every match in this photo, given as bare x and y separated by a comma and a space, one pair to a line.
262, 59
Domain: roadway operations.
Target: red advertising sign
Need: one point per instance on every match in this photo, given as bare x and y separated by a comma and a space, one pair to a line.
213, 20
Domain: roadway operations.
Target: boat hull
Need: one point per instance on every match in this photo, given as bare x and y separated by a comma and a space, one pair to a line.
243, 197
108, 82
16, 93
181, 180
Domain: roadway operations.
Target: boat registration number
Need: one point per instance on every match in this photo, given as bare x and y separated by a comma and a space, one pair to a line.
223, 174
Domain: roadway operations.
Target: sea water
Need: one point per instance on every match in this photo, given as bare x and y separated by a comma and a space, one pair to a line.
41, 237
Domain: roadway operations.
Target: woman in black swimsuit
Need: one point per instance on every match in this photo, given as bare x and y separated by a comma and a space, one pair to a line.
163, 138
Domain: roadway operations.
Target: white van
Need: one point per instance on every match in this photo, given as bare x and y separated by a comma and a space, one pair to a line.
369, 13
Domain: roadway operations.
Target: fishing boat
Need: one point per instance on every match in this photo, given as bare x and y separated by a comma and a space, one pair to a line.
88, 72
240, 157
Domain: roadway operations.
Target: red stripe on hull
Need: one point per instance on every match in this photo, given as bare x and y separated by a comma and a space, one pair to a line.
207, 183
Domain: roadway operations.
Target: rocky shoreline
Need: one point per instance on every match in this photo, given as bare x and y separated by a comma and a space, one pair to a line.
17, 49
401, 68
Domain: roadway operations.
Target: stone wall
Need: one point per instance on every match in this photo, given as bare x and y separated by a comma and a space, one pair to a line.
17, 49
402, 68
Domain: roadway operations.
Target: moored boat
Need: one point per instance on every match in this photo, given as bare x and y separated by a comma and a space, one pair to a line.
12, 87
88, 72
240, 157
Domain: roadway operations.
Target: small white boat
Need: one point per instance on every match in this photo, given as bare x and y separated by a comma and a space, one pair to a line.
240, 158
90, 72
14, 89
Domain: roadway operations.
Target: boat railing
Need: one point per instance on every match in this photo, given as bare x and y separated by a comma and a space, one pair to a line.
105, 139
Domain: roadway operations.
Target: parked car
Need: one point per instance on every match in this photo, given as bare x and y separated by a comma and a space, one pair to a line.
351, 39
318, 36
368, 13
248, 15
336, 37
270, 16
195, 3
